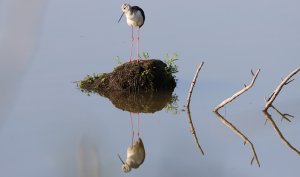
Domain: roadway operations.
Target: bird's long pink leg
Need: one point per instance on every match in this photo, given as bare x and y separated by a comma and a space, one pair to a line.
138, 45
132, 40
132, 130
138, 121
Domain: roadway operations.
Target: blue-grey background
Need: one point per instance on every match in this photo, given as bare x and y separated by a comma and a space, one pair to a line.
49, 128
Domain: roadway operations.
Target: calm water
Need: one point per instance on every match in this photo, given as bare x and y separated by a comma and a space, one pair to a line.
50, 128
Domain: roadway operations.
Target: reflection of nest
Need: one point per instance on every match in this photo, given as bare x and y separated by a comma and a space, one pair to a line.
148, 102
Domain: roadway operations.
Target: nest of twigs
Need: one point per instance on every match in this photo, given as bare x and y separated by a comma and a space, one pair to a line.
145, 75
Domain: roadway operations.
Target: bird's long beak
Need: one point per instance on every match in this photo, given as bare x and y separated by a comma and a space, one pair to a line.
119, 154
121, 17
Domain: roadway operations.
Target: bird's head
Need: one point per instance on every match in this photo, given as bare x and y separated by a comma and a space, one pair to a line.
125, 7
126, 168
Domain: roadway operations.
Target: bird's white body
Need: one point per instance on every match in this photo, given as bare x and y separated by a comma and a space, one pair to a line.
134, 19
135, 15
135, 156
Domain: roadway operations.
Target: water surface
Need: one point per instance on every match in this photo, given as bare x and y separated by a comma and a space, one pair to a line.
50, 128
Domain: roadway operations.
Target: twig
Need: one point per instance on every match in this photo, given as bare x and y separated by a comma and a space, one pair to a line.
193, 130
283, 115
193, 85
230, 125
238, 132
284, 82
188, 107
246, 87
269, 118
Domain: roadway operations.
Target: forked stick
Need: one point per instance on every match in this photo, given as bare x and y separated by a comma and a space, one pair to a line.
284, 82
234, 96
230, 125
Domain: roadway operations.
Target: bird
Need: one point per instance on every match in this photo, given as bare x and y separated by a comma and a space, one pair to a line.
135, 18
135, 156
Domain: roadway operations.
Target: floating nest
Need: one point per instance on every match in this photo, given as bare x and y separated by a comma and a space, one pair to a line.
143, 76
145, 86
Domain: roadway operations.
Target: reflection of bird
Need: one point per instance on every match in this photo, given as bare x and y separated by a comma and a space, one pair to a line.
135, 18
135, 156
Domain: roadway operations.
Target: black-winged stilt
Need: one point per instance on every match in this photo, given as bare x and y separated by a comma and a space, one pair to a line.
135, 156
135, 18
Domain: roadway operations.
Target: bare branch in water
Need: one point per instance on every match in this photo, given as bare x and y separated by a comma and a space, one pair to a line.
238, 132
188, 108
229, 124
193, 131
283, 115
284, 82
269, 118
188, 100
246, 87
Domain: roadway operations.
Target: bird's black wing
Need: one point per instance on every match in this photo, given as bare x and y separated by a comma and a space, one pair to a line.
137, 8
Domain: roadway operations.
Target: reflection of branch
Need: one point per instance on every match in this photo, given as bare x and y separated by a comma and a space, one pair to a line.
238, 132
193, 130
269, 103
283, 115
192, 85
284, 82
269, 117
188, 107
246, 87
230, 125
